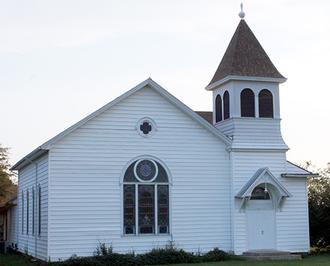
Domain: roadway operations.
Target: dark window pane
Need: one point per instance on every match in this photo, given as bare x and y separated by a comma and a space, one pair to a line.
27, 212
39, 210
265, 104
247, 103
146, 209
259, 193
22, 202
162, 175
218, 108
226, 105
163, 209
33, 209
129, 174
129, 209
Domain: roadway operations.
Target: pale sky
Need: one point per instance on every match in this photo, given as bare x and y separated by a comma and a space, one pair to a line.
61, 60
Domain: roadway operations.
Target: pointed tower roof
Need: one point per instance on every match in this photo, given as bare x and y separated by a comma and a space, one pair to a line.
245, 57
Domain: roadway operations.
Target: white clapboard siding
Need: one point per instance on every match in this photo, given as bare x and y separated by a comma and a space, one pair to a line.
29, 243
291, 221
12, 226
86, 166
291, 168
253, 132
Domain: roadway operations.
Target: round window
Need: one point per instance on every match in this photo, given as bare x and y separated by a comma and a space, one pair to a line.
145, 170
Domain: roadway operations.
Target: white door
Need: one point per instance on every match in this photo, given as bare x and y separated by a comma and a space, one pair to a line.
261, 229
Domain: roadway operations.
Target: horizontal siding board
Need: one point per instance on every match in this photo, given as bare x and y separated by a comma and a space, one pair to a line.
291, 220
34, 245
86, 169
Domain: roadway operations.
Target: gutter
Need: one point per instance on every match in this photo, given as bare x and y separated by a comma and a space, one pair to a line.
300, 175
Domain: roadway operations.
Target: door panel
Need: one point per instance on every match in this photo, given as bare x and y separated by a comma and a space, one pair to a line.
261, 229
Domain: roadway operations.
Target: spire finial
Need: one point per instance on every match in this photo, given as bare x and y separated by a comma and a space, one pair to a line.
241, 14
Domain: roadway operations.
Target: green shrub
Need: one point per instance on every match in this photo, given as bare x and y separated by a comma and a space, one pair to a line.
165, 256
319, 250
215, 255
104, 256
103, 250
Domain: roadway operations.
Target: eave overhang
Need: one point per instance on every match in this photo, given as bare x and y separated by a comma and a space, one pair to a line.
218, 83
35, 154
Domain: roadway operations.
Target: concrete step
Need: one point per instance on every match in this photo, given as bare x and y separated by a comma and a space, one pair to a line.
262, 255
265, 252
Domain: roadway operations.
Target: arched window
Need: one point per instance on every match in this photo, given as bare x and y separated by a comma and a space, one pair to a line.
218, 109
260, 193
146, 198
247, 103
266, 103
226, 105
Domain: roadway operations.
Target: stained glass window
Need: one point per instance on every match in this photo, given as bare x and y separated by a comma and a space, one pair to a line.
146, 198
146, 209
146, 170
163, 210
129, 209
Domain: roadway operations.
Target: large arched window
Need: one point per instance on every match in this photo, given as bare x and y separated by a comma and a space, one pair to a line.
247, 103
266, 104
226, 105
218, 109
146, 198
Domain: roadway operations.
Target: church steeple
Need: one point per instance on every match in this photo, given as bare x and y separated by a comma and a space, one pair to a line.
245, 57
245, 89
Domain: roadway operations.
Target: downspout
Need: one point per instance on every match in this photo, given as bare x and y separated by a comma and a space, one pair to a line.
35, 204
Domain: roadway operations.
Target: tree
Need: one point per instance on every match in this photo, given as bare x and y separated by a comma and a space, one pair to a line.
319, 208
7, 188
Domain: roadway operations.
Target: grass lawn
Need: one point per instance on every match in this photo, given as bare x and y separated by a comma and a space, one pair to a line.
322, 260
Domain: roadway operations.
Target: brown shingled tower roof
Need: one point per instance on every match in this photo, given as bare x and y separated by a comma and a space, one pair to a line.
245, 57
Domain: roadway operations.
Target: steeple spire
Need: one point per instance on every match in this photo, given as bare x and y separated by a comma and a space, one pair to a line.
241, 14
244, 57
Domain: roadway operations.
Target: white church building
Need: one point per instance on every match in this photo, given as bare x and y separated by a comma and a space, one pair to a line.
145, 170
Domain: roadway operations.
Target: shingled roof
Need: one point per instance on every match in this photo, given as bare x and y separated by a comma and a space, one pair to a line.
245, 57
